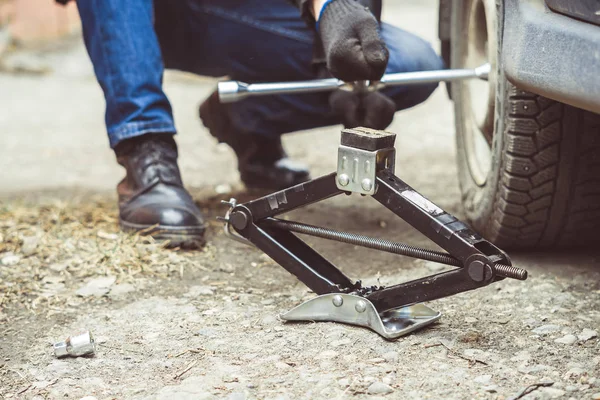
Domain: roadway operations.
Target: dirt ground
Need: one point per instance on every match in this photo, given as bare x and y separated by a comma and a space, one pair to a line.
173, 324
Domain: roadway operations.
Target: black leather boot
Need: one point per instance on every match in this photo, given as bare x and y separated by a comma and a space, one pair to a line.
262, 161
152, 199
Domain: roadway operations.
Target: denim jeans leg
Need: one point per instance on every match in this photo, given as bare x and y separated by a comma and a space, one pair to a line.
121, 42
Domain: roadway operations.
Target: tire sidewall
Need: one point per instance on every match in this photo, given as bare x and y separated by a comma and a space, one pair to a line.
479, 202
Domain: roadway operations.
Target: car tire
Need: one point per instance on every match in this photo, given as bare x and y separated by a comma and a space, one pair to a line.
529, 167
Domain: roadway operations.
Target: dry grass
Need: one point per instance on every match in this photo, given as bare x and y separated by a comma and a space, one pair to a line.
62, 244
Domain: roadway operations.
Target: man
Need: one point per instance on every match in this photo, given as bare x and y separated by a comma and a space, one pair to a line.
267, 40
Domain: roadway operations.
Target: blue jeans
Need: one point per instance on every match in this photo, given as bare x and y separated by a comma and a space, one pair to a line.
247, 40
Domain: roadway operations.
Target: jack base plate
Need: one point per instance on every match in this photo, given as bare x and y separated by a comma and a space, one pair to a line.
356, 310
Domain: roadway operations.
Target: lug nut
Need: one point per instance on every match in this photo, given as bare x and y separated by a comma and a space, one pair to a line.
79, 345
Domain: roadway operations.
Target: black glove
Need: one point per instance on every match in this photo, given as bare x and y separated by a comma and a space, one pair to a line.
370, 110
353, 48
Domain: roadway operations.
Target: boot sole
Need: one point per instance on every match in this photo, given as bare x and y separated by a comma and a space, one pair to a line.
181, 236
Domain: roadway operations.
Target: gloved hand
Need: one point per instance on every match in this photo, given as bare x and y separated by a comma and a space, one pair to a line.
370, 110
349, 33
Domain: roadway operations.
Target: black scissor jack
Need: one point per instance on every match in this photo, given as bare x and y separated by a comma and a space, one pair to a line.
366, 166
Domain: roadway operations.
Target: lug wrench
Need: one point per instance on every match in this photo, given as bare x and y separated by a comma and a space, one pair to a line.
232, 91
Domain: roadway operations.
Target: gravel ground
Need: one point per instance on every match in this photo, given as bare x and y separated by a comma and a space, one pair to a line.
205, 324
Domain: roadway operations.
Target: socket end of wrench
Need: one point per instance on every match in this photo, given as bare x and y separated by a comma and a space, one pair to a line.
232, 91
483, 71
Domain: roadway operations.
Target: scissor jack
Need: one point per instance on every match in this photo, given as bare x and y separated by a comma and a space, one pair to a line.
366, 166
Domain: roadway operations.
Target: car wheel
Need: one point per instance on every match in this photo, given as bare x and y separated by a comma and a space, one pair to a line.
529, 167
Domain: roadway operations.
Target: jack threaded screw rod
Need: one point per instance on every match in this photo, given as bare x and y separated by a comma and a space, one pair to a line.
507, 271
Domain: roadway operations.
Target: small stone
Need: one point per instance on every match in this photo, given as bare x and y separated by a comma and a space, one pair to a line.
196, 291
470, 336
491, 388
391, 357
29, 245
546, 329
567, 339
207, 332
571, 388
236, 396
269, 320
587, 334
96, 287
10, 260
553, 393
379, 388
107, 236
483, 379
58, 267
88, 398
119, 290
574, 373
470, 320
596, 396
344, 383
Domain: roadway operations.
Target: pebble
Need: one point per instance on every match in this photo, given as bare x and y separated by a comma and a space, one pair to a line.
391, 357
567, 339
119, 290
379, 388
344, 383
587, 334
553, 393
236, 396
58, 267
596, 396
107, 236
88, 398
10, 260
96, 287
327, 354
483, 379
546, 329
269, 320
29, 245
207, 332
574, 373
199, 291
